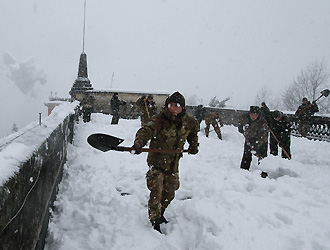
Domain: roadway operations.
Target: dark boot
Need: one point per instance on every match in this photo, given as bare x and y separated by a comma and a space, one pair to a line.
263, 174
156, 225
162, 219
207, 131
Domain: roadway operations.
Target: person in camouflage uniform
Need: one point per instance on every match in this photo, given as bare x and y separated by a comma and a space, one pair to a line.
255, 130
213, 119
147, 108
87, 107
199, 114
281, 128
115, 105
304, 113
169, 129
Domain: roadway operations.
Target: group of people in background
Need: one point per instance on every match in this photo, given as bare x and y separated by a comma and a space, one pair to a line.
170, 127
259, 124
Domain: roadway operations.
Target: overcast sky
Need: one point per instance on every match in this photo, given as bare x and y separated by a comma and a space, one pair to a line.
203, 47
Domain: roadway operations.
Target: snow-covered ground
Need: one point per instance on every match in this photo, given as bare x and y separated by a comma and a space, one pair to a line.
102, 201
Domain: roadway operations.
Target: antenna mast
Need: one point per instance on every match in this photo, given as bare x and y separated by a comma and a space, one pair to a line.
113, 75
84, 27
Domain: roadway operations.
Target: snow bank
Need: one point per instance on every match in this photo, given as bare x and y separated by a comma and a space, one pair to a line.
18, 147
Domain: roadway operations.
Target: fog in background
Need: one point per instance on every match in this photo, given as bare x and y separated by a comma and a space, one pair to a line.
205, 48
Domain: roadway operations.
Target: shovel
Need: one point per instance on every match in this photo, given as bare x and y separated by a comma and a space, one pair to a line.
324, 93
105, 142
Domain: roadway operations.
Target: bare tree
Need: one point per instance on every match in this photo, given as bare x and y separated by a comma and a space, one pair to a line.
265, 95
14, 128
194, 100
309, 83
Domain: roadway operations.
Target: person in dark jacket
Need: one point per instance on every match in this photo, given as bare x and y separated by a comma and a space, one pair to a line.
87, 107
304, 113
255, 130
168, 130
265, 112
115, 105
199, 114
281, 127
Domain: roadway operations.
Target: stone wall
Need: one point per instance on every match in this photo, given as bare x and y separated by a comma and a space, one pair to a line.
25, 198
102, 101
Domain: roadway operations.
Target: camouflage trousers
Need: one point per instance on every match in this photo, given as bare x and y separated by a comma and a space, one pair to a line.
215, 126
162, 188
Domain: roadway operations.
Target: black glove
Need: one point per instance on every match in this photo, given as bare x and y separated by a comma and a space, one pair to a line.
137, 148
193, 149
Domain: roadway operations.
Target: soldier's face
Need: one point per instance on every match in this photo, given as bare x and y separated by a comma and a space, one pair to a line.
253, 116
175, 108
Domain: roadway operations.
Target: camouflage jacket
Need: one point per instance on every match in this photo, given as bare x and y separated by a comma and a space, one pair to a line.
214, 117
143, 106
305, 111
87, 104
167, 132
256, 132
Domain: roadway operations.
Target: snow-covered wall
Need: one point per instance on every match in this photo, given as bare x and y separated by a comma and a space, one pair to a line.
31, 167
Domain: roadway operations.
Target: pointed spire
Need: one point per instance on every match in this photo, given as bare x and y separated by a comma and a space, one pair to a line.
82, 83
82, 70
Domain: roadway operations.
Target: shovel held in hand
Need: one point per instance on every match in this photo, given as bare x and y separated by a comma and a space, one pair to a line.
105, 142
324, 93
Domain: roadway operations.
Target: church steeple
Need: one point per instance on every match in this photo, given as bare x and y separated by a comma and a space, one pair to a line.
82, 70
82, 83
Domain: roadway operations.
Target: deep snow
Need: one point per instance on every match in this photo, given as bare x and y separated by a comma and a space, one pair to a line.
102, 201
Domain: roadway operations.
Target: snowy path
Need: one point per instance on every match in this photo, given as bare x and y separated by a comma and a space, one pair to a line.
218, 206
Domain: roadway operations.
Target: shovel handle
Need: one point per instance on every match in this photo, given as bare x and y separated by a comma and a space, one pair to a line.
310, 104
156, 150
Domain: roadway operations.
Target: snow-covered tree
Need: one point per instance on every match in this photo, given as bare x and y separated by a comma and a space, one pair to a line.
267, 96
219, 104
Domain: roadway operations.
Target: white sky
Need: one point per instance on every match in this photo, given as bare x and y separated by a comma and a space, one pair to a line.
203, 47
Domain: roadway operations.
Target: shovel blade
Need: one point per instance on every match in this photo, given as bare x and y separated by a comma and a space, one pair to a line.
325, 92
104, 142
